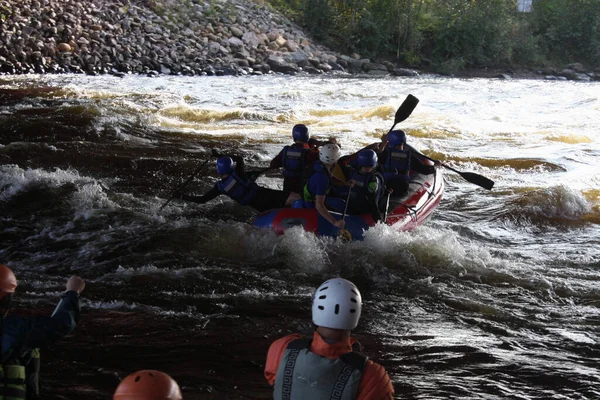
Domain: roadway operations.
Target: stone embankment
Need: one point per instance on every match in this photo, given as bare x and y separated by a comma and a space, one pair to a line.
189, 37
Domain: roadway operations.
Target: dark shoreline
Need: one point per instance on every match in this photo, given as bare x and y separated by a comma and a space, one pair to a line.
485, 73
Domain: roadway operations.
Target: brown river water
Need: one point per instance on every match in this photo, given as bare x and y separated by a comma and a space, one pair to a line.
496, 296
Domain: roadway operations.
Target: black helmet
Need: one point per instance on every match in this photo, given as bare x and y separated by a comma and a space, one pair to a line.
395, 138
300, 133
224, 165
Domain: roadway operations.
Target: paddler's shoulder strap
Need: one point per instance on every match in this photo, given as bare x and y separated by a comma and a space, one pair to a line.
355, 359
299, 344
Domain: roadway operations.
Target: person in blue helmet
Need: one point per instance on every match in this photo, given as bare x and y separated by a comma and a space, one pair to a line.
296, 160
317, 187
23, 337
396, 161
367, 185
239, 185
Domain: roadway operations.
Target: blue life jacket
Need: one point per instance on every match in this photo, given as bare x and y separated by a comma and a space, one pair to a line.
395, 164
293, 161
240, 190
367, 185
396, 161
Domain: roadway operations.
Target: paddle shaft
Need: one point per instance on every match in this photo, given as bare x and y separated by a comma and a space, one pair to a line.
472, 177
347, 201
403, 112
184, 184
387, 206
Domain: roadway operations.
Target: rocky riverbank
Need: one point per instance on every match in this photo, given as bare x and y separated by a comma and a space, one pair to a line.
220, 37
187, 37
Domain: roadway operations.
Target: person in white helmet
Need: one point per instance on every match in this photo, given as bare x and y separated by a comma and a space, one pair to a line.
325, 366
318, 186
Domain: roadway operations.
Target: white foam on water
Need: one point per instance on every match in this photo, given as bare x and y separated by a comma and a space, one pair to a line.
85, 201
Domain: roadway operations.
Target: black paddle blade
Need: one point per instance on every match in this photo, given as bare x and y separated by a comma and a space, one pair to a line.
406, 108
477, 179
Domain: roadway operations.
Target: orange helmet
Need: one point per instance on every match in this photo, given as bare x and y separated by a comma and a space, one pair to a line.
148, 385
8, 281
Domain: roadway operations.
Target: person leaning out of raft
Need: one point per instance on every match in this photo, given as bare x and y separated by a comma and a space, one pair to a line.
22, 337
396, 161
148, 385
239, 185
325, 366
318, 186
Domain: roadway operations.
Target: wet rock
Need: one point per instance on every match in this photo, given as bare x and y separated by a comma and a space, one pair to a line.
405, 72
278, 64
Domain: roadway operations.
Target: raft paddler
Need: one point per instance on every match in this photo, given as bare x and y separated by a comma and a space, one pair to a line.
317, 188
240, 186
325, 366
367, 185
22, 337
296, 160
397, 160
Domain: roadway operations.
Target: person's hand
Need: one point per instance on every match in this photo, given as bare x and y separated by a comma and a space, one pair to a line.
75, 284
350, 183
390, 191
340, 223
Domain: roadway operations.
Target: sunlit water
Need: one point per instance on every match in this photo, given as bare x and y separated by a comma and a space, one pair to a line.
496, 296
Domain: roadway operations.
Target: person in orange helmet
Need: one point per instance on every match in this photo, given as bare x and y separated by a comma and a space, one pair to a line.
325, 366
23, 336
148, 385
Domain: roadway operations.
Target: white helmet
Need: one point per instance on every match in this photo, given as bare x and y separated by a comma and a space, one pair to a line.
337, 304
329, 153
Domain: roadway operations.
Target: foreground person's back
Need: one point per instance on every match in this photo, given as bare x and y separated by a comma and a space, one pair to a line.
325, 366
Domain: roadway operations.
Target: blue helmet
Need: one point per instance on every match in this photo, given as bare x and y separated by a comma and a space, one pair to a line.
224, 165
367, 158
300, 133
396, 137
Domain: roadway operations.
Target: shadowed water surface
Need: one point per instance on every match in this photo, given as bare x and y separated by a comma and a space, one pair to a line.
495, 297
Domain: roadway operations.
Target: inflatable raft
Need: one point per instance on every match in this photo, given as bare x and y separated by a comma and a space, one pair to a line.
404, 213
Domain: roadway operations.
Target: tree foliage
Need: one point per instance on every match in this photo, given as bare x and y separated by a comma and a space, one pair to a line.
453, 34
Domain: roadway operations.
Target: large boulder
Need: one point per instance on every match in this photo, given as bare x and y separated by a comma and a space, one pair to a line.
278, 64
252, 40
299, 58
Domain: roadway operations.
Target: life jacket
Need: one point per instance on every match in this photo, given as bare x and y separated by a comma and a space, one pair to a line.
303, 374
293, 161
396, 162
238, 189
361, 181
366, 186
16, 380
318, 167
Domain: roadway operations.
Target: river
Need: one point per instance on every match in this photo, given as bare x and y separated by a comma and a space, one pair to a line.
496, 296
